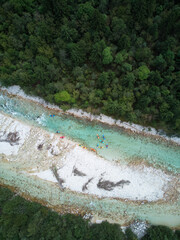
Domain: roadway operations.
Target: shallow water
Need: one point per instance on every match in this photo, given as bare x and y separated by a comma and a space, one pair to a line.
119, 211
121, 146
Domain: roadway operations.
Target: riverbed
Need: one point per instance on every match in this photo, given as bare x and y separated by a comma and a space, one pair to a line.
106, 171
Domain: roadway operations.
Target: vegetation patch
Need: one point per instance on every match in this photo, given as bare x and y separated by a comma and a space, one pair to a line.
22, 219
120, 58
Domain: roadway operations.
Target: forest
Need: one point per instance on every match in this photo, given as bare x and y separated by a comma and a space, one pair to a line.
119, 57
25, 220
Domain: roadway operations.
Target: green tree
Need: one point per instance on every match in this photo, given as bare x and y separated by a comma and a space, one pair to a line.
165, 113
124, 42
69, 34
106, 231
155, 78
121, 57
160, 63
77, 52
169, 57
107, 56
103, 80
143, 55
21, 5
128, 80
153, 30
85, 12
118, 28
130, 235
177, 124
159, 232
143, 72
96, 53
99, 21
103, 6
126, 67
63, 96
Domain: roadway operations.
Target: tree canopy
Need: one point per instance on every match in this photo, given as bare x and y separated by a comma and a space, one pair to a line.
83, 47
21, 219
62, 96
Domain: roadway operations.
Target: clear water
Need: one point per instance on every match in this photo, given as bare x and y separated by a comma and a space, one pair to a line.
121, 146
166, 214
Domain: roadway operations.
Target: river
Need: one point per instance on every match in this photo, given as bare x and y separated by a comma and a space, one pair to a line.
123, 148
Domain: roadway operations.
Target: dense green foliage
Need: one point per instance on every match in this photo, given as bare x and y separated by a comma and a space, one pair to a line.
161, 233
21, 219
24, 220
118, 57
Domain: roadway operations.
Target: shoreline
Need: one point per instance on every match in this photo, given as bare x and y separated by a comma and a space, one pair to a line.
37, 160
78, 113
66, 155
86, 213
65, 209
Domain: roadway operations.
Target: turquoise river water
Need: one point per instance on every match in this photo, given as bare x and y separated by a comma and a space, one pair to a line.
122, 146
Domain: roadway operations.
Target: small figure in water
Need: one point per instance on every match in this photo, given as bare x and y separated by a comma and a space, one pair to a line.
62, 137
103, 137
98, 145
97, 136
57, 131
106, 145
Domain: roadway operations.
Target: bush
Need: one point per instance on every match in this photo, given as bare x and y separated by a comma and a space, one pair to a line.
160, 233
62, 96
